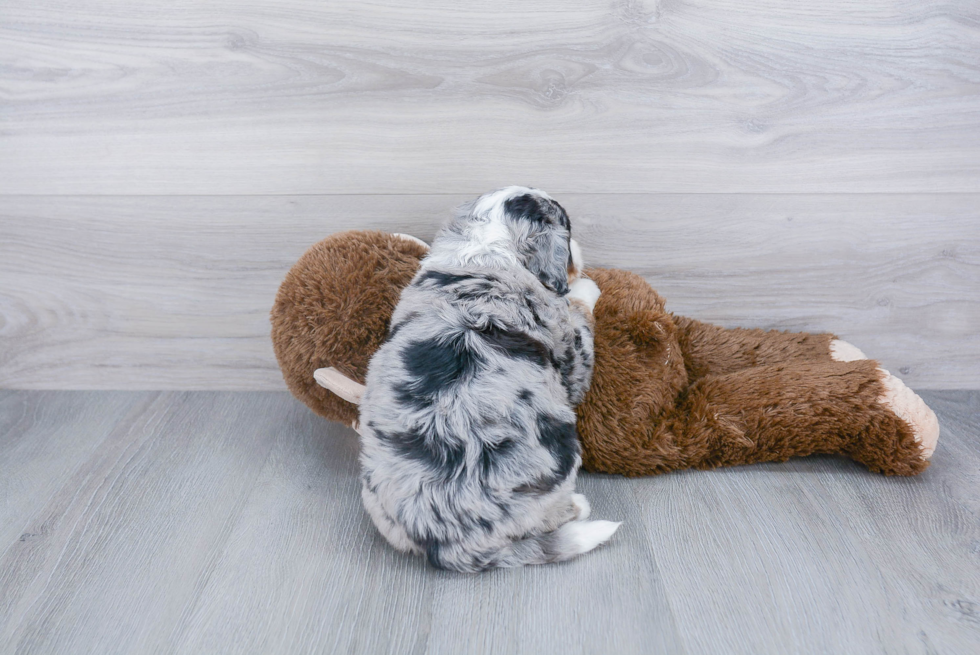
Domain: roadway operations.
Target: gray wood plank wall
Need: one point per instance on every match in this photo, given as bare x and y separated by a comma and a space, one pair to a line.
807, 167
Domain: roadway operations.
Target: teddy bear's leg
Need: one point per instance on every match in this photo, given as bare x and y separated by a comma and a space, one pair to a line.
712, 350
898, 397
772, 413
908, 406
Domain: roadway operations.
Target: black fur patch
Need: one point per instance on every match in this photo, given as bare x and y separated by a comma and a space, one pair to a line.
540, 486
562, 216
492, 453
475, 291
516, 344
526, 206
561, 440
435, 365
504, 508
464, 286
525, 395
393, 330
432, 554
546, 216
442, 279
436, 453
567, 368
533, 306
538, 210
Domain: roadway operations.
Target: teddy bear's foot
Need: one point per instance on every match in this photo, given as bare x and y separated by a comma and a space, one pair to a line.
897, 397
913, 410
841, 351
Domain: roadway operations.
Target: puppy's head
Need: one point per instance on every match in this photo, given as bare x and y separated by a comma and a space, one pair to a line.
535, 229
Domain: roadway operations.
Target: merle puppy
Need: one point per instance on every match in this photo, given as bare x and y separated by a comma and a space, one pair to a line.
469, 450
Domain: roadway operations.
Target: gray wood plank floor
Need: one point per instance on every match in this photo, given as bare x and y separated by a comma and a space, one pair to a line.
230, 522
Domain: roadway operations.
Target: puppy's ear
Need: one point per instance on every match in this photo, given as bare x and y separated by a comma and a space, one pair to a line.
541, 230
549, 260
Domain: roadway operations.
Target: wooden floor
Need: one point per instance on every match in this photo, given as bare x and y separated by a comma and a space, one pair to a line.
230, 522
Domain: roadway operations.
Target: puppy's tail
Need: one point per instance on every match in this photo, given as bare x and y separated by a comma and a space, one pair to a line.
568, 541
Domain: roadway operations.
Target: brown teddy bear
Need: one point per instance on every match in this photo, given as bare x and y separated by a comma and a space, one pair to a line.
667, 392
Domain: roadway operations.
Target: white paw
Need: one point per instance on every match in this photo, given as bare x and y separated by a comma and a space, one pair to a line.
586, 535
913, 410
842, 351
585, 290
409, 237
582, 507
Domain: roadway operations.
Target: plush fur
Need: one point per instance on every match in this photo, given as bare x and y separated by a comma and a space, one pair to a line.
333, 309
722, 397
667, 392
469, 451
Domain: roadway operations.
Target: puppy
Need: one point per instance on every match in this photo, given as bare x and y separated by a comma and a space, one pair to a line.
469, 450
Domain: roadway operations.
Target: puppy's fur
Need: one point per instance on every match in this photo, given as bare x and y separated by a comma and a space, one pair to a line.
469, 445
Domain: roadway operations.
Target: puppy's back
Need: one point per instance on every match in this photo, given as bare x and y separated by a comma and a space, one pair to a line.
466, 424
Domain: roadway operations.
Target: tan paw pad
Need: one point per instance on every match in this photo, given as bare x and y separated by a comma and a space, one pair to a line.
913, 410
841, 351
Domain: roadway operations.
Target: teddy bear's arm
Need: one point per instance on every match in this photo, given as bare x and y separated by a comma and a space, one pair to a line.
333, 380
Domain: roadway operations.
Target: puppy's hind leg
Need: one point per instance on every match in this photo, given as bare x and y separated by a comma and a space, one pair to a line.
389, 529
565, 508
569, 541
582, 507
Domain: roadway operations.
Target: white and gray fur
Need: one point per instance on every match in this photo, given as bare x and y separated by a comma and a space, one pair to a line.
469, 450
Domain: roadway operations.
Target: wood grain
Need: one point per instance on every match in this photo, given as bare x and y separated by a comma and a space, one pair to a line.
307, 568
612, 601
231, 522
133, 534
818, 556
40, 448
174, 292
294, 97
